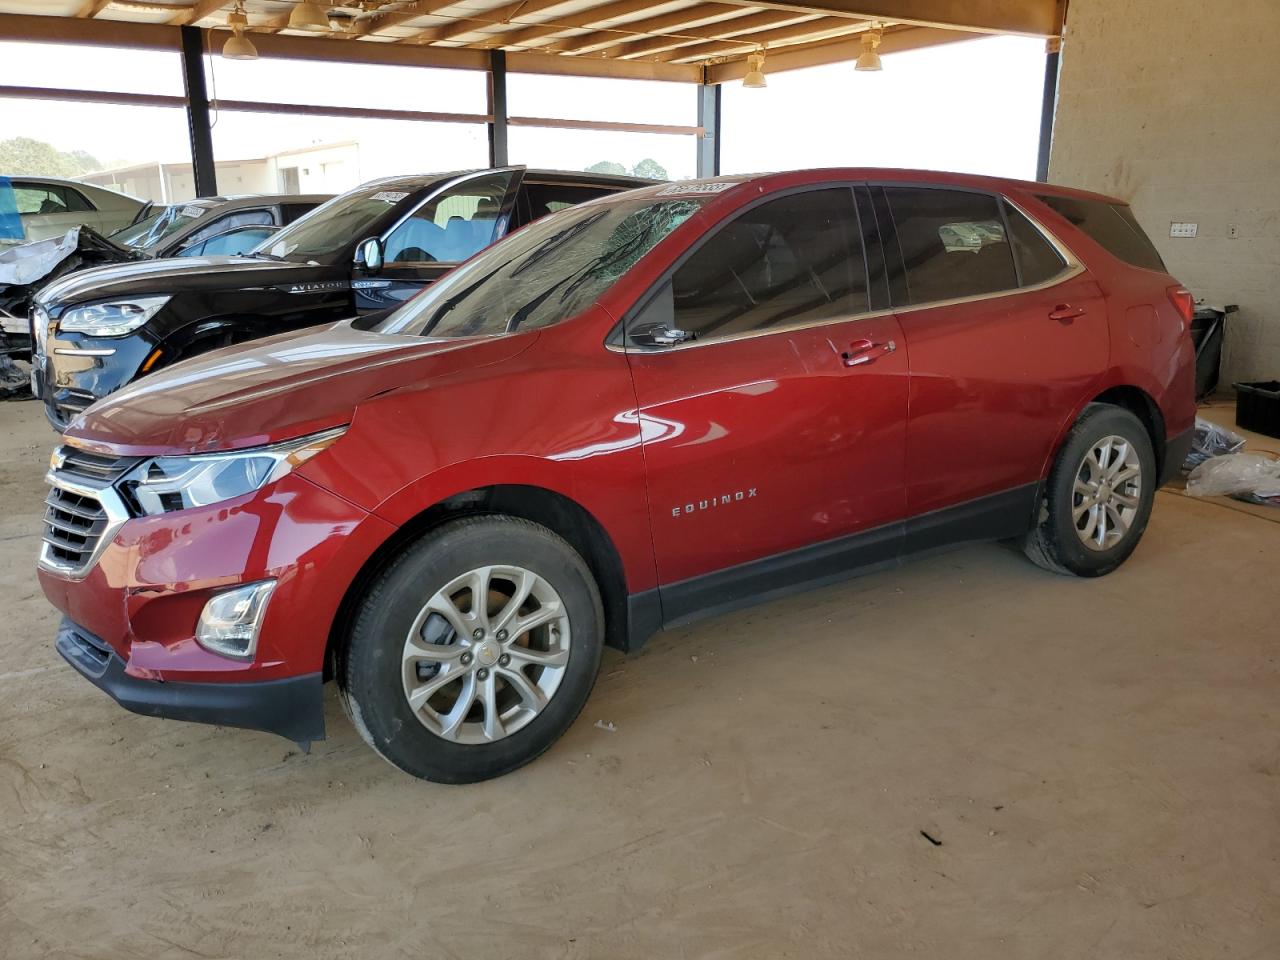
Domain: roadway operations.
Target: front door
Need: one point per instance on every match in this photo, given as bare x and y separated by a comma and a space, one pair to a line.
1006, 333
450, 226
776, 426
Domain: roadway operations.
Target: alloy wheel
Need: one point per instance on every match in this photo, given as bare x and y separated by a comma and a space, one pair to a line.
1107, 493
486, 654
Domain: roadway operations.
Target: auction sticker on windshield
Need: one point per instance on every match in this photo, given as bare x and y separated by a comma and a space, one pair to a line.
678, 188
390, 196
192, 212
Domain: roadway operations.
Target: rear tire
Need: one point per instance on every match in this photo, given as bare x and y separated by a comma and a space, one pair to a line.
455, 693
1098, 497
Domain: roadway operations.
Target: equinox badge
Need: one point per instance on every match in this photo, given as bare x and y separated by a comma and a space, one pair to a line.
723, 500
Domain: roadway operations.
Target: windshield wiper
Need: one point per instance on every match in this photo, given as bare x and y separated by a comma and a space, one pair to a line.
556, 242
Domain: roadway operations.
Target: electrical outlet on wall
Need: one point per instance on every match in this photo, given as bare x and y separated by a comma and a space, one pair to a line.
1179, 229
1233, 231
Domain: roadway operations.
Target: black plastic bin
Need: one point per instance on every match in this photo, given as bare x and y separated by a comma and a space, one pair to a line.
1258, 406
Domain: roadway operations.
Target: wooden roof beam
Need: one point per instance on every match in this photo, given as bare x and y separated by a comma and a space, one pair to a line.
681, 22
1031, 18
198, 12
376, 24
820, 29
500, 17
720, 31
92, 8
529, 36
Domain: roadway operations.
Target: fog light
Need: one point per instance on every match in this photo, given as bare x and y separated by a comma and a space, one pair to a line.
230, 621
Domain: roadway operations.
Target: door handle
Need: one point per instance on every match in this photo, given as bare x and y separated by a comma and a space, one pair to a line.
864, 351
1065, 311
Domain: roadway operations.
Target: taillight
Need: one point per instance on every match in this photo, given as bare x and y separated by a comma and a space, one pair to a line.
1184, 303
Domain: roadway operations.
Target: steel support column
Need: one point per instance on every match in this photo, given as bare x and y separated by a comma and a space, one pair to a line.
206, 179
709, 120
1048, 107
498, 107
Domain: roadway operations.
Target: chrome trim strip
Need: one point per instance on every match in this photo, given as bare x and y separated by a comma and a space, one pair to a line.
752, 334
116, 513
92, 352
448, 185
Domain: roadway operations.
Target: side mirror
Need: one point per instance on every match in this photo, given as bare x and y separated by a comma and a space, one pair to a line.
369, 255
654, 325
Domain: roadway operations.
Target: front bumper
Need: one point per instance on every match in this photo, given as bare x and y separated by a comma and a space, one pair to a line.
292, 707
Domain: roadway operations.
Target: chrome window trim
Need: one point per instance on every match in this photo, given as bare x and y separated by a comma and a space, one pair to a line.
501, 227
752, 334
116, 513
1072, 267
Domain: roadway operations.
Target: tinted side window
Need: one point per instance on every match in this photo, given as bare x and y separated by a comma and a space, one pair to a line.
452, 227
953, 243
1112, 227
39, 199
76, 201
223, 224
1038, 261
796, 259
545, 198
290, 212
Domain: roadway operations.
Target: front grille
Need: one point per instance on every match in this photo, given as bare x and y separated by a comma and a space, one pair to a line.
83, 509
81, 465
73, 525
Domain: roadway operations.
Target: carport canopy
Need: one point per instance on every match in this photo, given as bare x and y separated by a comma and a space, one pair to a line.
700, 43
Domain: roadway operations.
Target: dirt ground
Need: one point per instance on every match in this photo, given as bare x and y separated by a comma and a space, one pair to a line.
1096, 766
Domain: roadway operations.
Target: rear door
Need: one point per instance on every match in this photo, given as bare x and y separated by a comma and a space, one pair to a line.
447, 227
1006, 334
777, 422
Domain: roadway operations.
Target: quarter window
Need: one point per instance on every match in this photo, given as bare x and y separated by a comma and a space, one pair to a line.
1112, 226
953, 243
797, 259
453, 226
1038, 261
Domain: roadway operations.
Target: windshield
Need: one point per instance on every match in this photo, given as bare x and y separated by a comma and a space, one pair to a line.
164, 223
332, 226
545, 273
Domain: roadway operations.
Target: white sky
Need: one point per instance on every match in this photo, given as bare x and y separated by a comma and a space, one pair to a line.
971, 106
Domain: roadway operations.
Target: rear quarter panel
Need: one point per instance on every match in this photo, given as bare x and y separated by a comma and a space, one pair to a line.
1150, 346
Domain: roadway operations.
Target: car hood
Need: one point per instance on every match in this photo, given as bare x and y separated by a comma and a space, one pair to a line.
274, 389
173, 275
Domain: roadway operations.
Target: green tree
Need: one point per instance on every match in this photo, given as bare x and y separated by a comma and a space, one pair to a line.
606, 166
20, 155
651, 169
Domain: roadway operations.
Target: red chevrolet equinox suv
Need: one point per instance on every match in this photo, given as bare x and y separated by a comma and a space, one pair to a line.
639, 411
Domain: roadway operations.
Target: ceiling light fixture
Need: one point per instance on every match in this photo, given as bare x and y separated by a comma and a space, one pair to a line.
754, 80
307, 15
238, 46
869, 59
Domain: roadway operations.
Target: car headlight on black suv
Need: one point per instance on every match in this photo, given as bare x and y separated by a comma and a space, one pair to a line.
114, 318
165, 484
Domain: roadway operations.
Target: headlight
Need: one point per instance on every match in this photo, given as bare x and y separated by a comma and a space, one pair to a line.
165, 484
113, 319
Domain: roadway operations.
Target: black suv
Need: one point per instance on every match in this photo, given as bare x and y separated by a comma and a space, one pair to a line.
365, 251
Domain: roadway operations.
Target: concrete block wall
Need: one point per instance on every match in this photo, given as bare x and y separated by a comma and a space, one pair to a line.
1174, 105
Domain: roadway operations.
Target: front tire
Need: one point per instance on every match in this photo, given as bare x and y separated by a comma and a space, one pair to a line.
1098, 497
454, 690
